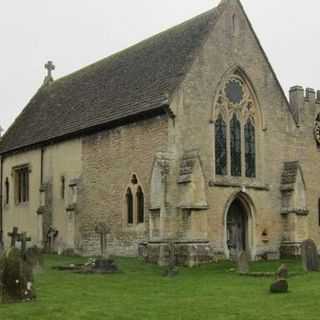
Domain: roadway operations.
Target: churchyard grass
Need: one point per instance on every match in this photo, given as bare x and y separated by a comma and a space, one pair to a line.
140, 292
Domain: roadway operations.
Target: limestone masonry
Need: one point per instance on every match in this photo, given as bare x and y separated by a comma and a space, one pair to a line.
186, 138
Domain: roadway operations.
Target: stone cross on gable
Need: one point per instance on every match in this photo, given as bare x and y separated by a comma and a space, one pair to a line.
103, 230
23, 239
14, 235
50, 67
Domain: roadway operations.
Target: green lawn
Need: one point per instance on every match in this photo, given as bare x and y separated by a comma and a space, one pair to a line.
140, 292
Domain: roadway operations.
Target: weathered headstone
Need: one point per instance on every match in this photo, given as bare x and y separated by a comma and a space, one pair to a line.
51, 236
23, 239
310, 257
103, 230
172, 269
282, 273
33, 256
14, 235
243, 262
279, 286
16, 278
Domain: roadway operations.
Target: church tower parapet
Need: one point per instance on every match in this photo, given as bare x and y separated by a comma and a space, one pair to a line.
296, 98
302, 102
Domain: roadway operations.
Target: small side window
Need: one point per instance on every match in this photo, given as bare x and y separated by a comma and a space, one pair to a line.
22, 181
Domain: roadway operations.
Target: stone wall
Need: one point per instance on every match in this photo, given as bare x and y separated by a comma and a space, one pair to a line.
62, 159
279, 139
110, 159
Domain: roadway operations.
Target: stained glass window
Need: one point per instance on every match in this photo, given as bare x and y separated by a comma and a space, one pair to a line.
140, 205
221, 146
250, 149
129, 206
235, 144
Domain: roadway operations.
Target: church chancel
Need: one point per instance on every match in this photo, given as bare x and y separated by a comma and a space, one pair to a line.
185, 139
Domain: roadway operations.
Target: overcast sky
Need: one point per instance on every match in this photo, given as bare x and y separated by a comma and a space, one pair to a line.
75, 33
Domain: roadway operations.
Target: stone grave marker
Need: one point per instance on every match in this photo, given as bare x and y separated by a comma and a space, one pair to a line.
243, 262
310, 257
103, 230
172, 269
14, 235
51, 237
282, 273
33, 256
279, 286
23, 239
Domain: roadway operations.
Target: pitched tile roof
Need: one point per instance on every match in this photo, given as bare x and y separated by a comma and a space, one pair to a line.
129, 83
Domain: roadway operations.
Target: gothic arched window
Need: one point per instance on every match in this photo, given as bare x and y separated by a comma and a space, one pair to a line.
250, 149
140, 205
235, 146
129, 199
237, 122
221, 146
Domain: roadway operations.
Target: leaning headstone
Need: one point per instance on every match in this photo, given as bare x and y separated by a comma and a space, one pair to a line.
279, 286
243, 262
310, 257
282, 273
16, 278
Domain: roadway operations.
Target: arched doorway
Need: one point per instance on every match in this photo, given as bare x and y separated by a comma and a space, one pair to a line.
239, 235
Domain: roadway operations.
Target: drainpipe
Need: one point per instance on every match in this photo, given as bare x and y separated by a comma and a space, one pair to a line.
1, 201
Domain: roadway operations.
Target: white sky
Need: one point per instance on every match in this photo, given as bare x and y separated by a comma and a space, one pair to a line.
75, 33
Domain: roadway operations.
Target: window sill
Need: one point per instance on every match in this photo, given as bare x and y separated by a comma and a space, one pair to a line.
136, 227
233, 182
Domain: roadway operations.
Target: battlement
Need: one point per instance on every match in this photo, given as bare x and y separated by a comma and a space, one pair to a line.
298, 95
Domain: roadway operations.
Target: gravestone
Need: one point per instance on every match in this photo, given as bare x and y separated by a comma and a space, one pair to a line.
310, 257
14, 235
243, 262
172, 269
51, 236
16, 278
103, 230
282, 273
279, 286
23, 239
33, 256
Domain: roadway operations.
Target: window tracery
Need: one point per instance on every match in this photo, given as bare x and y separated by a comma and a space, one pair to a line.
235, 117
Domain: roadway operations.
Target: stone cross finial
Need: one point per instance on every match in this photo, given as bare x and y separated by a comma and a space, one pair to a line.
50, 67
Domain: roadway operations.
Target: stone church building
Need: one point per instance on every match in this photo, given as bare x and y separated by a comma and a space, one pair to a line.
186, 137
